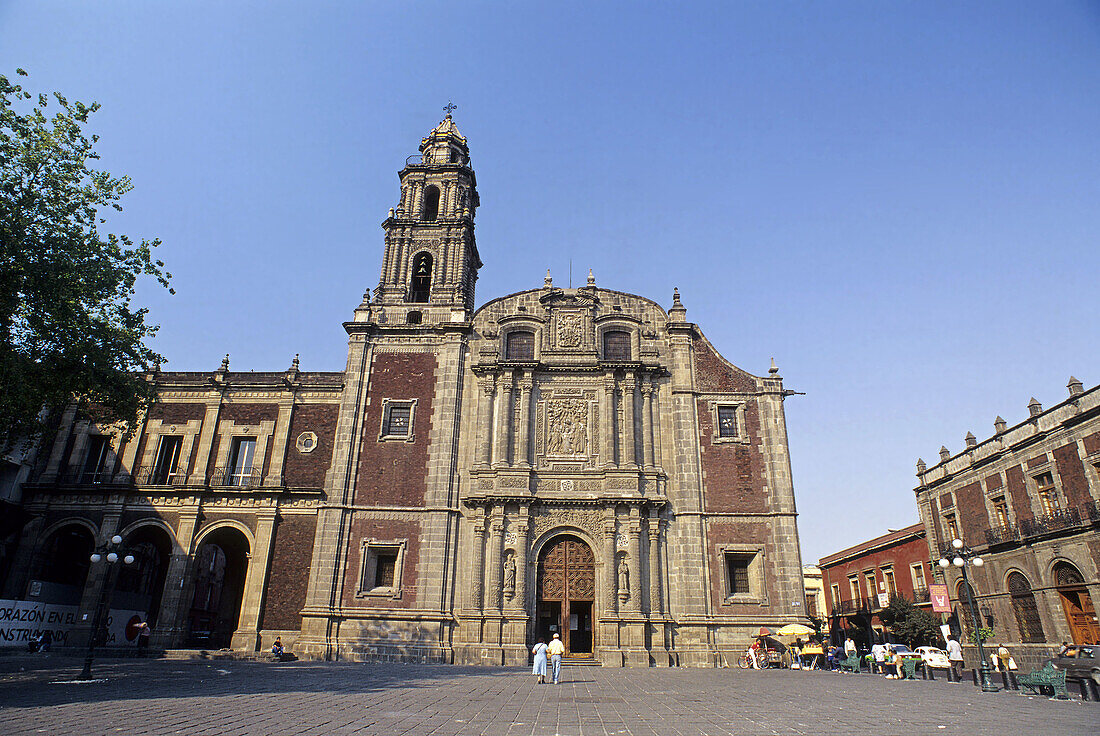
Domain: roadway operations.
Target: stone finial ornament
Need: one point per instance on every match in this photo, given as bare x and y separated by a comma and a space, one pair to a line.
944, 453
678, 313
548, 282
971, 440
921, 467
1034, 407
225, 363
774, 370
591, 278
1076, 388
1000, 425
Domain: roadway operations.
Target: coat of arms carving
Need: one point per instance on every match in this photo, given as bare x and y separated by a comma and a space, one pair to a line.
569, 330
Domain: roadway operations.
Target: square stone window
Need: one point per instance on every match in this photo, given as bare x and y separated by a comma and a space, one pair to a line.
729, 422
398, 417
744, 575
381, 568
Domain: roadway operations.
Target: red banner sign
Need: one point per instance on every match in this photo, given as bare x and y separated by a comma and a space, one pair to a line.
941, 602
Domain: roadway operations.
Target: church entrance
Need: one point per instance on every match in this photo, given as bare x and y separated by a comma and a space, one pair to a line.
566, 592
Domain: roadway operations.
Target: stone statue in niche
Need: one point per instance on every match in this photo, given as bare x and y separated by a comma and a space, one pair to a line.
569, 330
624, 579
510, 576
568, 423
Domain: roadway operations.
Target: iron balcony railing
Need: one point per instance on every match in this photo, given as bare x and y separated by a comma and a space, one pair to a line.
1002, 533
1052, 522
860, 605
921, 595
160, 477
88, 477
234, 478
1091, 511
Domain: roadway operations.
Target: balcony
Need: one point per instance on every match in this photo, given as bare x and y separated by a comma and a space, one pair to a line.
89, 478
859, 606
1001, 534
1052, 522
234, 478
159, 477
1056, 521
922, 595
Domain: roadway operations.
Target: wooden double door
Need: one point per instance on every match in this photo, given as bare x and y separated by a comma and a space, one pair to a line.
566, 594
1077, 604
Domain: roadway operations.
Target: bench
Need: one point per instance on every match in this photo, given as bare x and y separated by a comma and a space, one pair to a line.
1045, 678
851, 664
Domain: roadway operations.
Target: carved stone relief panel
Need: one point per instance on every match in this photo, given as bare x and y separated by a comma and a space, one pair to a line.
569, 329
544, 518
566, 426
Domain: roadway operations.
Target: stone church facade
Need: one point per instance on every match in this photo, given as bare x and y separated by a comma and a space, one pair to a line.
578, 461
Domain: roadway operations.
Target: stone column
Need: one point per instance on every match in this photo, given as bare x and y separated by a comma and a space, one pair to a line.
634, 560
496, 542
478, 582
628, 458
485, 421
611, 563
504, 426
278, 444
520, 598
656, 422
247, 636
647, 423
206, 442
522, 455
656, 604
607, 431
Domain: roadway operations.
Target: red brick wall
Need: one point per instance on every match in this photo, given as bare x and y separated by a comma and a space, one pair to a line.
1036, 461
747, 534
308, 470
714, 375
901, 556
177, 413
733, 472
289, 574
395, 472
1075, 485
1092, 444
1017, 490
383, 531
972, 515
993, 482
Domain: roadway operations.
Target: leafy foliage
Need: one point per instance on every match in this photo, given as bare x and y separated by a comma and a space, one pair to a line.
68, 327
909, 623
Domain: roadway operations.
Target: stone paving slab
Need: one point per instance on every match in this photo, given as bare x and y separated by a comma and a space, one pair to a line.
157, 697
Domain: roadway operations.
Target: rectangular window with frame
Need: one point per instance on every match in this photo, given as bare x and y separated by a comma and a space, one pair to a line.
397, 420
737, 570
853, 588
891, 586
727, 421
239, 472
167, 462
836, 593
951, 524
872, 586
380, 569
918, 577
1048, 494
811, 604
1000, 511
95, 464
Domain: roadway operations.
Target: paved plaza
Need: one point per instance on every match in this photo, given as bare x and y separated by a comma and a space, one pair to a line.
236, 697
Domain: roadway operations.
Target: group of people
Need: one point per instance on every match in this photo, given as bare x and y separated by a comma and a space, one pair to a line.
555, 649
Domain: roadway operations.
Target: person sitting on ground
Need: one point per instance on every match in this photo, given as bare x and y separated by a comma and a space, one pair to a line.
277, 647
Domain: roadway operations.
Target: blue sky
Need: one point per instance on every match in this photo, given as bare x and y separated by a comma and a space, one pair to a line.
898, 201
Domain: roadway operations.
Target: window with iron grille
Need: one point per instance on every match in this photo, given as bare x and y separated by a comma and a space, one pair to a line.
616, 345
737, 569
521, 346
1025, 609
727, 421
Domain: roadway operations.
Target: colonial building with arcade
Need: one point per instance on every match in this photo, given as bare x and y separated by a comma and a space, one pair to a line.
579, 461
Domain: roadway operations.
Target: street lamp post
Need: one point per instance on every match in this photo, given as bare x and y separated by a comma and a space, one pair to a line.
964, 557
109, 553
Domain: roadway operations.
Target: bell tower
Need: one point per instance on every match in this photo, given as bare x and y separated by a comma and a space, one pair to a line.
430, 262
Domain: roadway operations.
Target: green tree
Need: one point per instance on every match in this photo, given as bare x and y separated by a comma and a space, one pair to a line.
68, 327
908, 622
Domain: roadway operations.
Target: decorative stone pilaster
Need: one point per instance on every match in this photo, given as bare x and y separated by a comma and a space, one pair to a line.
206, 443
496, 546
656, 604
522, 456
485, 421
247, 636
478, 578
57, 453
610, 601
521, 526
504, 426
278, 445
647, 423
634, 560
627, 387
656, 423
607, 430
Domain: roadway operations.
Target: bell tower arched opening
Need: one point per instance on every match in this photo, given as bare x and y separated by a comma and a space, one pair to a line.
566, 594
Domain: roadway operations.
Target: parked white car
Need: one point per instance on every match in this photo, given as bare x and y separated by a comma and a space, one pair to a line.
934, 657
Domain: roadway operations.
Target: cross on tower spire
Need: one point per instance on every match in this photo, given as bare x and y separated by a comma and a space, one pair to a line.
449, 108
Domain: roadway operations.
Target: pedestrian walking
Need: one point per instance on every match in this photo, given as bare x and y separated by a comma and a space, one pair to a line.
878, 654
849, 647
556, 649
539, 668
955, 656
144, 632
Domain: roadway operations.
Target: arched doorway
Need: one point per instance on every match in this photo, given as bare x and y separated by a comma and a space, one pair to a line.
141, 585
1027, 612
63, 567
566, 593
1077, 603
221, 564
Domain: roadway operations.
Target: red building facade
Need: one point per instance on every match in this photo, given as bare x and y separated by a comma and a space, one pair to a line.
860, 580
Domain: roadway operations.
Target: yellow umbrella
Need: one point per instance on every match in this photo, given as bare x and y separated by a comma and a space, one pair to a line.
795, 630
